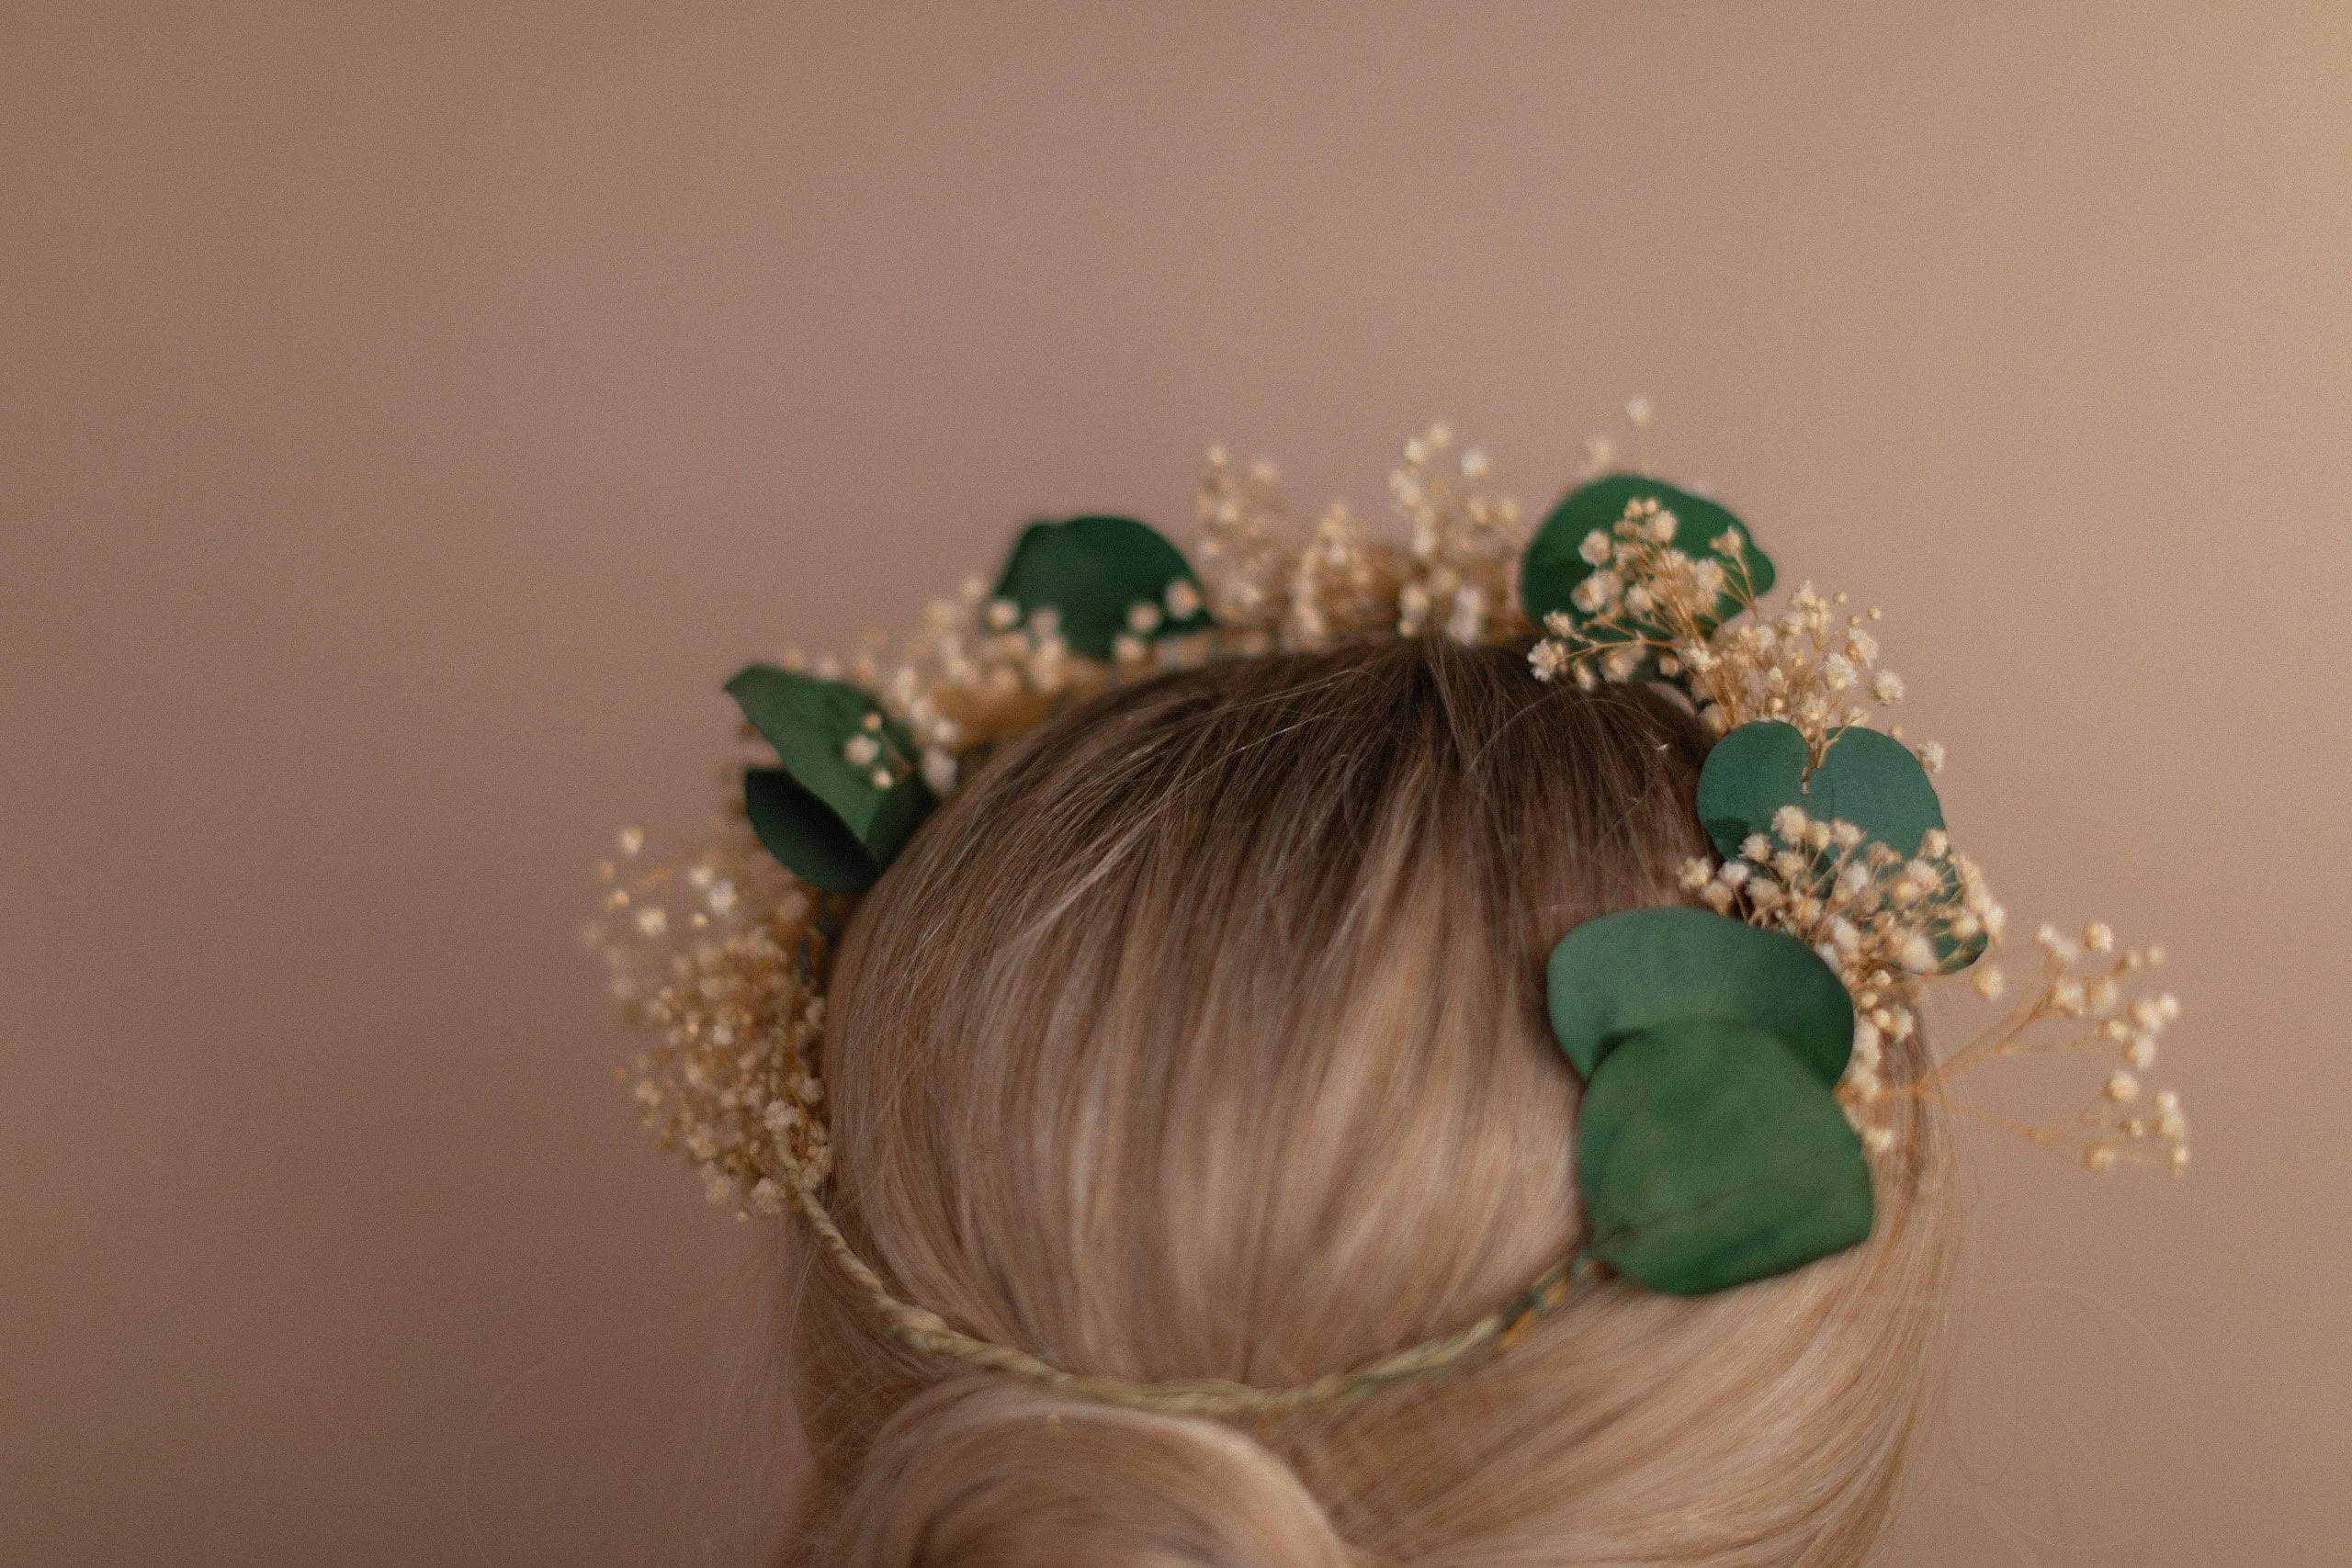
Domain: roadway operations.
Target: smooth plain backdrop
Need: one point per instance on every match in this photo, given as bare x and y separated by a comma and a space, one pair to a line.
410, 413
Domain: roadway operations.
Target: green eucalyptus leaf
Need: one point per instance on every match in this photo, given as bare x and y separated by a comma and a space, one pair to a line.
1868, 778
1709, 1156
1095, 570
823, 813
1615, 976
1750, 774
802, 833
1552, 566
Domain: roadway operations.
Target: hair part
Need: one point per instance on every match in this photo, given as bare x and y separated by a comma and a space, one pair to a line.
1202, 1035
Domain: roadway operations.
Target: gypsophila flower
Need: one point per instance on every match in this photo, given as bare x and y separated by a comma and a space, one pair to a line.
1887, 923
939, 771
2056, 1018
735, 1011
1649, 607
1647, 604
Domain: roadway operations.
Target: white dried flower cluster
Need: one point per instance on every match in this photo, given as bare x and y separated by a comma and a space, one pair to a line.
1881, 921
1813, 665
1886, 924
2080, 1004
1457, 573
1267, 588
1650, 608
1645, 601
1466, 543
976, 673
979, 672
733, 995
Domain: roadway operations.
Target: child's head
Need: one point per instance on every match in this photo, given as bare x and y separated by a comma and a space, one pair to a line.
1202, 1035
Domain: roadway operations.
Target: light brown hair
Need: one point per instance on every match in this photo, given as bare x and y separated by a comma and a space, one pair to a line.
1202, 1035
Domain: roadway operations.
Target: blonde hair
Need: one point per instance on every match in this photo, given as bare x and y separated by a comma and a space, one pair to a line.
1202, 1035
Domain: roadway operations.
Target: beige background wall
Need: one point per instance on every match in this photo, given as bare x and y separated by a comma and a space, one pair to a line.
409, 414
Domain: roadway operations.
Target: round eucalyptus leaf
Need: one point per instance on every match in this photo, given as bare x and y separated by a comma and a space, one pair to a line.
799, 830
823, 813
1616, 977
1094, 571
1552, 566
1709, 1156
1750, 774
1868, 778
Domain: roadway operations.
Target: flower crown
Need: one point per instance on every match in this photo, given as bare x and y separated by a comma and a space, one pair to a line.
1731, 1049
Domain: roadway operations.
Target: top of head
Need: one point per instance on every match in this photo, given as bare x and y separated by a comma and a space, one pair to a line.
1202, 1034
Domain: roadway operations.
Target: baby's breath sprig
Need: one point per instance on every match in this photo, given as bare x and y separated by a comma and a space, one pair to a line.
1813, 665
732, 992
1269, 587
2080, 1005
1886, 924
979, 672
1246, 547
1648, 605
1465, 542
1883, 920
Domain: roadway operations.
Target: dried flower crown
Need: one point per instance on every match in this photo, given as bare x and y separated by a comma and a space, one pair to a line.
1732, 1049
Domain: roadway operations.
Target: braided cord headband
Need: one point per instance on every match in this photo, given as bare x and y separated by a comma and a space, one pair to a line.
1731, 1048
927, 1334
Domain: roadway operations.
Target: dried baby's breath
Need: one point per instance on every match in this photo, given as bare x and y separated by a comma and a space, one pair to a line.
1650, 609
732, 991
